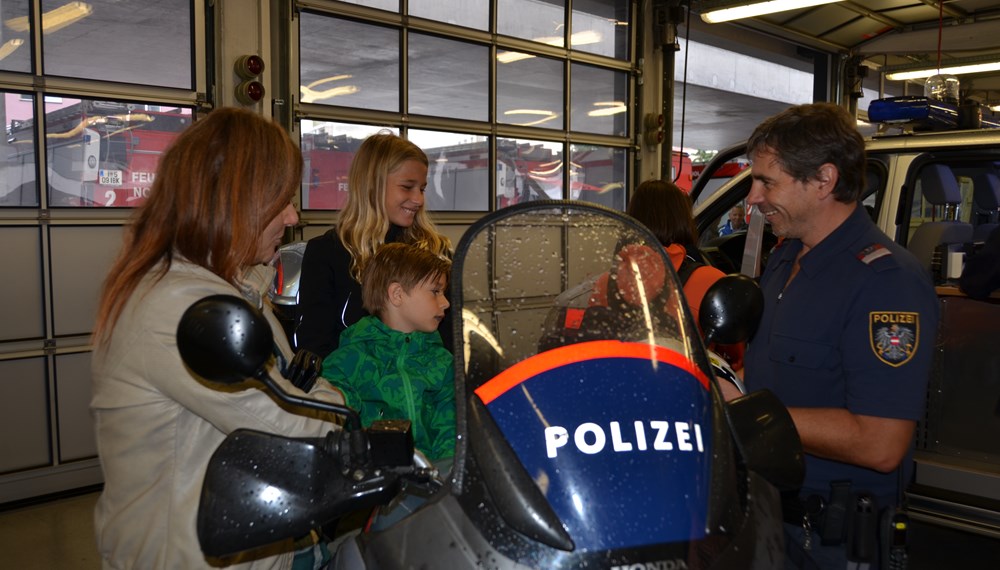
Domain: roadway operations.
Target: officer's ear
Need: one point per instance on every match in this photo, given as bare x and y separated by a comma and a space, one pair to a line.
826, 179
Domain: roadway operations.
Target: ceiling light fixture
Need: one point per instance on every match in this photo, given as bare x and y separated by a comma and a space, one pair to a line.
546, 170
9, 47
963, 66
512, 56
726, 10
546, 116
528, 112
607, 108
54, 19
585, 38
309, 93
577, 39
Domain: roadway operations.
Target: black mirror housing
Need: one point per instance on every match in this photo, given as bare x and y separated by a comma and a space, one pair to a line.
731, 309
255, 493
224, 339
767, 439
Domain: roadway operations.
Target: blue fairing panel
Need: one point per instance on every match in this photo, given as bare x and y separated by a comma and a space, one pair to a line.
616, 435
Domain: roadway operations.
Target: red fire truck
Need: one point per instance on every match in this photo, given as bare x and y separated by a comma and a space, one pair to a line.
721, 175
524, 172
681, 171
100, 153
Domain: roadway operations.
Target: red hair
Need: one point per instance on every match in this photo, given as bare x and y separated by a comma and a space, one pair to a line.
217, 187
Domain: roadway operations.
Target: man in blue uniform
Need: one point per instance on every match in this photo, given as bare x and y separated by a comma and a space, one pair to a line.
848, 329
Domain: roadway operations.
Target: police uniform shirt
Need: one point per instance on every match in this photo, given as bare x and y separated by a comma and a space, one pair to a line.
854, 329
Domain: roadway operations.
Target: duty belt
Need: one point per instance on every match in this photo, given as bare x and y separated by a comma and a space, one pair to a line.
828, 516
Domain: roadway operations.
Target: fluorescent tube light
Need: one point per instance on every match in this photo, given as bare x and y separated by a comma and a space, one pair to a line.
724, 12
546, 116
577, 39
309, 93
9, 47
953, 68
512, 56
607, 108
54, 19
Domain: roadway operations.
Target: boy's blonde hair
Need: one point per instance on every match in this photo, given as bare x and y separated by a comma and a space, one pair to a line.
406, 264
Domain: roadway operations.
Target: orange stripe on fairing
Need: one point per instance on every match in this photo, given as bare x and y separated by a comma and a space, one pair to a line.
582, 352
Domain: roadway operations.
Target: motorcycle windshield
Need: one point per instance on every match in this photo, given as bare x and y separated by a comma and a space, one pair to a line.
577, 340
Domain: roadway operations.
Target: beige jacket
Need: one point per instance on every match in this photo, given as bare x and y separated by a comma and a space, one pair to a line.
157, 426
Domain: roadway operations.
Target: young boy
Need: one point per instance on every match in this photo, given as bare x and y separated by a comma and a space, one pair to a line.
393, 364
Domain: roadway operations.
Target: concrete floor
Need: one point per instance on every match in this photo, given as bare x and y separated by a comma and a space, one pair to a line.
59, 534
46, 536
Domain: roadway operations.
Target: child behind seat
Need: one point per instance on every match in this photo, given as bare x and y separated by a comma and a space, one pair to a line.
393, 364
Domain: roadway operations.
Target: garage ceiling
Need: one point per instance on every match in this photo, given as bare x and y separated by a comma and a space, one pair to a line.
875, 33
884, 33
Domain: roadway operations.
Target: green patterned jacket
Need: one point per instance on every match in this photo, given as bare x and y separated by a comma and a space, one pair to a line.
386, 374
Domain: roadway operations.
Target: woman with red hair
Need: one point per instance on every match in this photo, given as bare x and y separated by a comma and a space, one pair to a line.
214, 218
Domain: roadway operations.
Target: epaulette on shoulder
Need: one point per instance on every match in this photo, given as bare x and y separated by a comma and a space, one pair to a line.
873, 252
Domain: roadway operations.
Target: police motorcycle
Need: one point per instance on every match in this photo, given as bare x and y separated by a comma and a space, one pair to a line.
590, 434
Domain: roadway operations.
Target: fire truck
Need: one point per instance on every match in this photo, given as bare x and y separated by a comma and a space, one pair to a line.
100, 153
524, 172
327, 160
682, 170
719, 175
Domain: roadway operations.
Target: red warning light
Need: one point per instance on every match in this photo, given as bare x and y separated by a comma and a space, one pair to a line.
249, 92
249, 69
249, 66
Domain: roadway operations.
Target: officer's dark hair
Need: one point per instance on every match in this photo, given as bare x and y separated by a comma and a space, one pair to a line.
805, 137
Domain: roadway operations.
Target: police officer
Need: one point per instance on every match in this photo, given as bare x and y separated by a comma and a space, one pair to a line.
848, 328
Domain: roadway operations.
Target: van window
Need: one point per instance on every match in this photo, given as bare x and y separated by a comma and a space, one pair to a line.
923, 210
875, 183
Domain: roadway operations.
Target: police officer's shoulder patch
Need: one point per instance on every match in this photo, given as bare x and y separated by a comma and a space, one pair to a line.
873, 252
894, 335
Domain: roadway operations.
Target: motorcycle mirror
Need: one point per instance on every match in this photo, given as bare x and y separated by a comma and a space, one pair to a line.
254, 493
225, 339
222, 338
767, 439
731, 309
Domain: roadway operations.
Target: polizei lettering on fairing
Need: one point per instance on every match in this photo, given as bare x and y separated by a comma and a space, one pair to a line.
675, 564
657, 435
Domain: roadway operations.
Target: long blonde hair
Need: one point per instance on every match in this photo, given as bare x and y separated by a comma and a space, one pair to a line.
363, 222
217, 187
